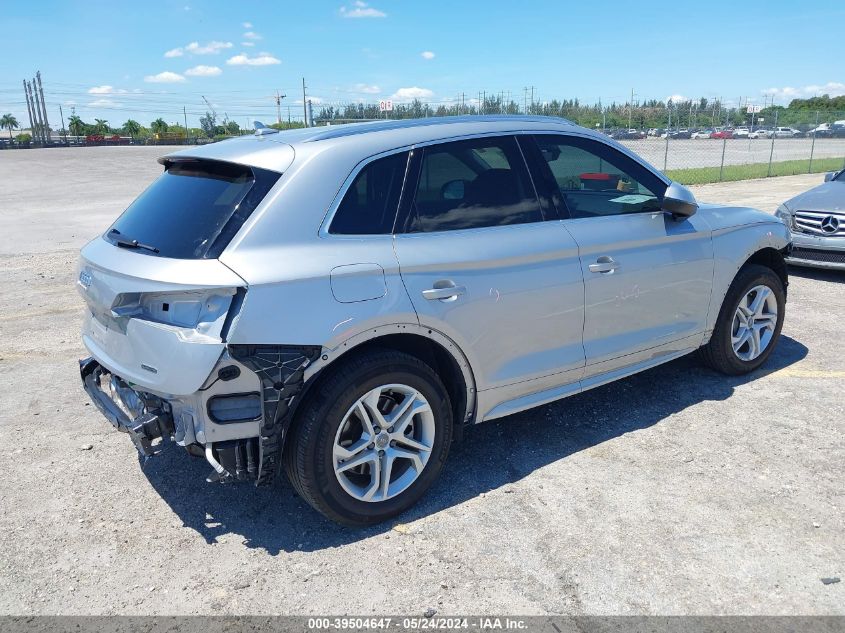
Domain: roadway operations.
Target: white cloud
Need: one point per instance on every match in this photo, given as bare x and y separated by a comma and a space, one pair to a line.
262, 59
366, 89
247, 43
247, 25
251, 35
832, 88
175, 52
211, 48
427, 55
676, 98
106, 90
203, 71
409, 94
165, 77
100, 103
360, 9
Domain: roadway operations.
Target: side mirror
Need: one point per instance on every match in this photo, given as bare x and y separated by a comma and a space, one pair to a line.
679, 201
829, 176
453, 190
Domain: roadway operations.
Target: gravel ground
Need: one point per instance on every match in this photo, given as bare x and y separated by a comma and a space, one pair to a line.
677, 491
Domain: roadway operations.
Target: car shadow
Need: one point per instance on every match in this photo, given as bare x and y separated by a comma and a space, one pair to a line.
818, 274
491, 455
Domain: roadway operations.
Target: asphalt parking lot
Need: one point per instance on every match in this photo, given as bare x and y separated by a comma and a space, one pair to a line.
708, 152
676, 491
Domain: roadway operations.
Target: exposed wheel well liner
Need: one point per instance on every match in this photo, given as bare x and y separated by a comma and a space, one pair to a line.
771, 258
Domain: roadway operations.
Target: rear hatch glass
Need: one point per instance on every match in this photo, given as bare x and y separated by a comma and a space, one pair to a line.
193, 210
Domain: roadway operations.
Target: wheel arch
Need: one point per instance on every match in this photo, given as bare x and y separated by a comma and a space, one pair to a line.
773, 258
428, 345
768, 256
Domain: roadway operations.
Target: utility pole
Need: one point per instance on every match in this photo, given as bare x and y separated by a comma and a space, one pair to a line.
279, 107
631, 108
525, 100
304, 105
62, 115
36, 109
28, 108
532, 97
47, 135
185, 116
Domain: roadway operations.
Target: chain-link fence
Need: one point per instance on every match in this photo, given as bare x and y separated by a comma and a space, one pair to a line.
809, 143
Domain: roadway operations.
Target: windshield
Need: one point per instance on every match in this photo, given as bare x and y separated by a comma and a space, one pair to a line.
193, 210
840, 177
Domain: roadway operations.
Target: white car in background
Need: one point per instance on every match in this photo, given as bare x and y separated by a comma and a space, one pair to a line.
760, 133
741, 132
702, 134
786, 132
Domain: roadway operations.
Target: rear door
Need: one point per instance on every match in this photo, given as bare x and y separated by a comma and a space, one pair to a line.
647, 276
485, 263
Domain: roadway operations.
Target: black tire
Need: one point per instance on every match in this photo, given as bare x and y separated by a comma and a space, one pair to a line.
308, 451
719, 353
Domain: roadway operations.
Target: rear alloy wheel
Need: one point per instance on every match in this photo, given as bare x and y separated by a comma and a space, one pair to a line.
749, 323
371, 438
383, 442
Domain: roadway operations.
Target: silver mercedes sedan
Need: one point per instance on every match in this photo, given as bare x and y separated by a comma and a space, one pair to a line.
817, 221
340, 303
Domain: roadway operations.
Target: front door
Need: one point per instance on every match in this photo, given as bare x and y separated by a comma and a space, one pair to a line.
647, 275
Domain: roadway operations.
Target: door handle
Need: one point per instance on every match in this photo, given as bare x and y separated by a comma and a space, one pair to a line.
444, 291
604, 264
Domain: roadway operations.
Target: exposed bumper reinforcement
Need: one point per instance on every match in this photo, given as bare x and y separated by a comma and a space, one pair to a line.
153, 424
281, 369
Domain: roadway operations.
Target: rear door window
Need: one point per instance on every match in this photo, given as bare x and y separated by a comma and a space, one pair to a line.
473, 184
193, 210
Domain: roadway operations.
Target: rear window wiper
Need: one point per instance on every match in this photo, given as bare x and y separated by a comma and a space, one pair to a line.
124, 243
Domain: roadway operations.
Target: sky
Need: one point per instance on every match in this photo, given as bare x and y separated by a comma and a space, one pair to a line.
117, 60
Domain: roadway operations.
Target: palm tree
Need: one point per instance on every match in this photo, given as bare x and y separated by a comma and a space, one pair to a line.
102, 125
132, 128
159, 126
75, 125
10, 122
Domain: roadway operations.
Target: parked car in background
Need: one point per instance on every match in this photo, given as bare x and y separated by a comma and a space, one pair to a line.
702, 134
723, 134
760, 133
741, 132
628, 135
341, 302
829, 130
676, 134
786, 132
817, 221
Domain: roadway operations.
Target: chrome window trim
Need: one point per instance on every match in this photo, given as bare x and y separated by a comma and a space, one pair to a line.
328, 216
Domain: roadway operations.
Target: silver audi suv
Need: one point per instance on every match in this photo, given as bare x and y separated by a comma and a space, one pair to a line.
341, 302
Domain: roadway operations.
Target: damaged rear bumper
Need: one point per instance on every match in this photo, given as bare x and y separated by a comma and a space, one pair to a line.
147, 420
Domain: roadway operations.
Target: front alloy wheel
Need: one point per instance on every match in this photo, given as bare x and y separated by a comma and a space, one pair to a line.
754, 323
749, 322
